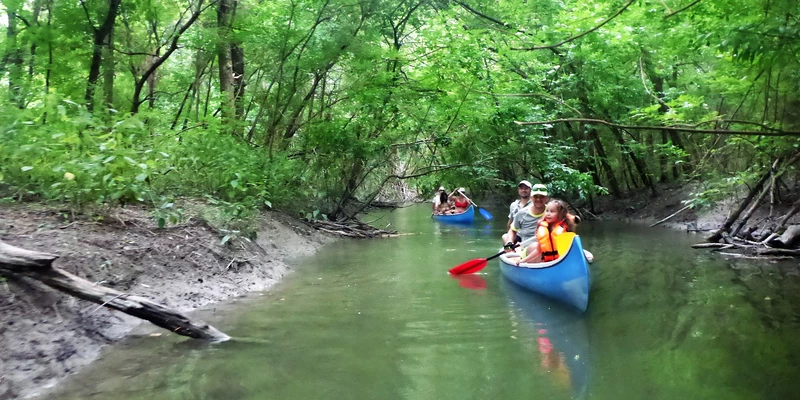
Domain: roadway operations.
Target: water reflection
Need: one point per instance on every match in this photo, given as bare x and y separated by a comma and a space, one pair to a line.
470, 281
561, 337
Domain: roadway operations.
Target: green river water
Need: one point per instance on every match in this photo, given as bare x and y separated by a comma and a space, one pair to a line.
382, 319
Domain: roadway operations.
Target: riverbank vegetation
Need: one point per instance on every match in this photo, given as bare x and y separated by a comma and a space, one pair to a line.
318, 106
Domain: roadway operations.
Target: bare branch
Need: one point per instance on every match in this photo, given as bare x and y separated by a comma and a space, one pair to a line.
482, 15
571, 39
88, 17
135, 53
546, 96
647, 89
664, 128
25, 21
424, 171
681, 9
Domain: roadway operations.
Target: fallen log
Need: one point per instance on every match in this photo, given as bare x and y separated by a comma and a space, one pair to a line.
39, 266
710, 246
771, 173
788, 238
726, 226
777, 252
791, 213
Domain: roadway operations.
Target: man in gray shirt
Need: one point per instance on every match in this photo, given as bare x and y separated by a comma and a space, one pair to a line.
524, 191
522, 226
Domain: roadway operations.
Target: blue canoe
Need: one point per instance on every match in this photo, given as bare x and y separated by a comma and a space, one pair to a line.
464, 218
565, 279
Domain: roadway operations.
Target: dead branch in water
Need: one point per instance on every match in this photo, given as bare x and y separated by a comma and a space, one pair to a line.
763, 249
772, 172
18, 262
670, 216
353, 229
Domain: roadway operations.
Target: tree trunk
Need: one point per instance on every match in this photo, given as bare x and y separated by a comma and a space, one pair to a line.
677, 142
601, 154
151, 84
224, 19
108, 70
155, 62
662, 159
641, 167
49, 68
39, 266
13, 55
37, 9
100, 35
237, 65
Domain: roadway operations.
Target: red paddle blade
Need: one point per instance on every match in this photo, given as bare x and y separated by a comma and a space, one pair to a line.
469, 267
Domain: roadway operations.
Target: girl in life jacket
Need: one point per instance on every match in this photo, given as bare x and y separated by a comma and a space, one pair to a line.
554, 222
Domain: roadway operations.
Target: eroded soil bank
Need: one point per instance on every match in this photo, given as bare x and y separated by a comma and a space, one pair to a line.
640, 207
45, 335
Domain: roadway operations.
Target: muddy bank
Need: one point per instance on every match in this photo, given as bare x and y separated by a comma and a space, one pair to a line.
45, 335
641, 208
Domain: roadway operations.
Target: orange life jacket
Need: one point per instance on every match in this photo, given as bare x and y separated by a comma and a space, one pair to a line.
546, 238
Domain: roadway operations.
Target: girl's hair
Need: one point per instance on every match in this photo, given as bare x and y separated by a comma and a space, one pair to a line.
443, 197
561, 207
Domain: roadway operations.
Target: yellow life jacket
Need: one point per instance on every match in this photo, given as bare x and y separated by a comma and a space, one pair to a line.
547, 241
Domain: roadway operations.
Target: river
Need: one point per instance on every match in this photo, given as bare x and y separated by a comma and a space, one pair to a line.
382, 319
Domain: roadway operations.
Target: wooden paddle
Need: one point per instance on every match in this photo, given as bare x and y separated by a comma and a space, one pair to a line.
477, 264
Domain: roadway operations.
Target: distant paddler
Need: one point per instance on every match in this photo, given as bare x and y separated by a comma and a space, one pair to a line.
460, 201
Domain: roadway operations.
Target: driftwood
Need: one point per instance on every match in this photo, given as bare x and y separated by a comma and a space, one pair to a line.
788, 238
726, 226
670, 216
353, 229
761, 188
39, 266
710, 246
777, 252
754, 250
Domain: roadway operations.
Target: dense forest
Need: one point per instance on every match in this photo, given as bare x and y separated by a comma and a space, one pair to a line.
317, 106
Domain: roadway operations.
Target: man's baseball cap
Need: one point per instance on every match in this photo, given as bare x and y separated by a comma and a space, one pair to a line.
525, 183
539, 189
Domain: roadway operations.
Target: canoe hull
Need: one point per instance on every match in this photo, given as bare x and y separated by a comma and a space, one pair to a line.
566, 279
464, 218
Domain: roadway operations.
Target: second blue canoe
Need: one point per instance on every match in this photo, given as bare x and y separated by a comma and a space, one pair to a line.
463, 218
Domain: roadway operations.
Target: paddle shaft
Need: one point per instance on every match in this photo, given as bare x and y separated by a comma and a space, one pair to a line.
526, 243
